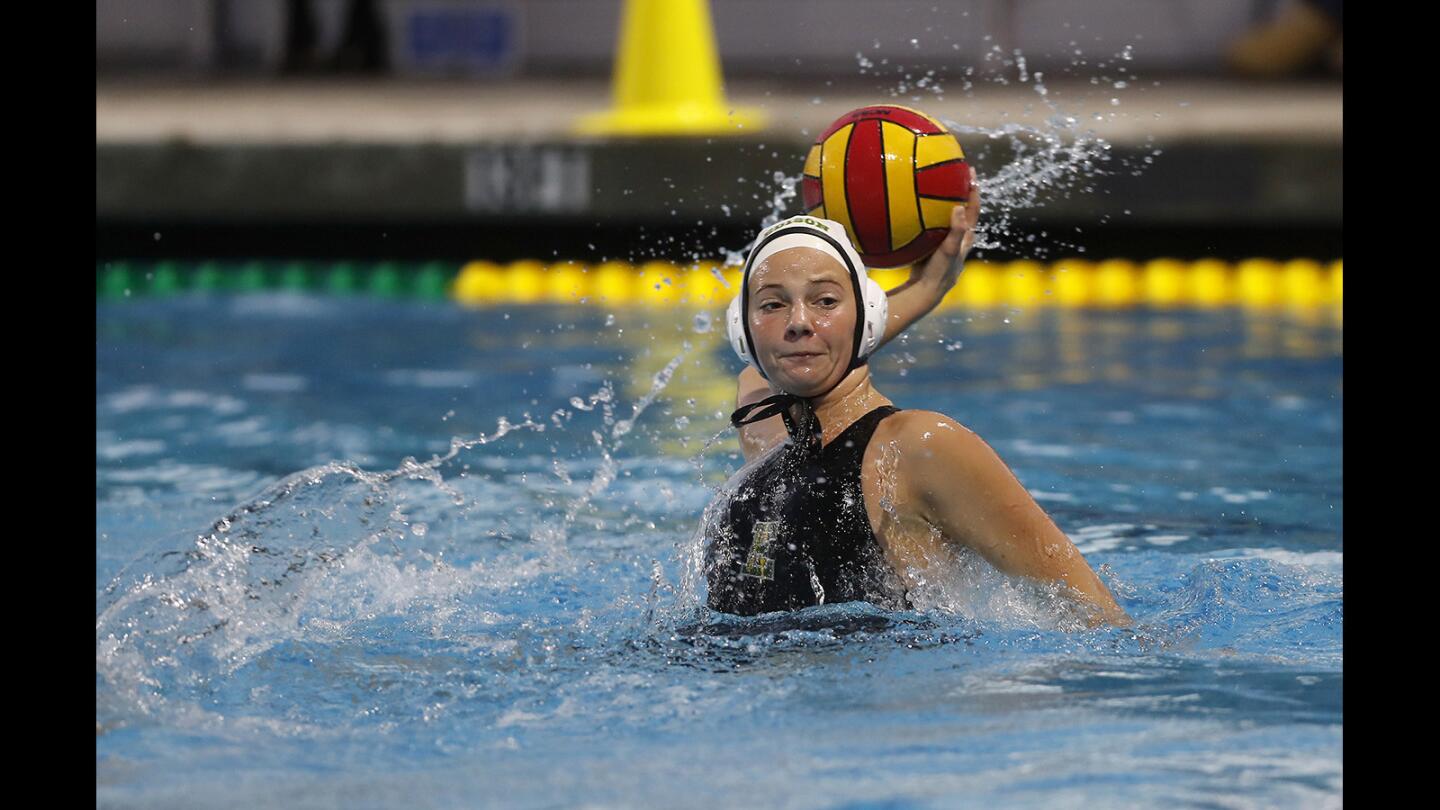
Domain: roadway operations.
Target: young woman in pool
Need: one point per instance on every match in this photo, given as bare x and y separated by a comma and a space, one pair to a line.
863, 497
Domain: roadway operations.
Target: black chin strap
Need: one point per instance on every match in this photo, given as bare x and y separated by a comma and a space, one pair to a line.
804, 430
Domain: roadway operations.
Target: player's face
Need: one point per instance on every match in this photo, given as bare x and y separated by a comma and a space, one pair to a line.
802, 314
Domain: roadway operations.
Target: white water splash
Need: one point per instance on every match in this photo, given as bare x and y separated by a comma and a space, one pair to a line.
315, 553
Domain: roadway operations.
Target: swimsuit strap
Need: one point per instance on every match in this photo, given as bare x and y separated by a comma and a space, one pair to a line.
865, 426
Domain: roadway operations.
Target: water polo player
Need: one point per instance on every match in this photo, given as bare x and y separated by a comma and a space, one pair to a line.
850, 498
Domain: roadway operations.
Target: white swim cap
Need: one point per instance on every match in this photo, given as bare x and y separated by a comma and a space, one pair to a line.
828, 237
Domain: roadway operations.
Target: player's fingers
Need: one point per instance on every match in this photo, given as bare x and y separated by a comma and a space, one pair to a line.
972, 205
959, 218
950, 247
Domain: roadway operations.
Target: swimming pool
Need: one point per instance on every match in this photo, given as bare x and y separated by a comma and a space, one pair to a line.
298, 605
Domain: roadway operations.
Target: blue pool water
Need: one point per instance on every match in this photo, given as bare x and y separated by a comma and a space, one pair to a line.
316, 586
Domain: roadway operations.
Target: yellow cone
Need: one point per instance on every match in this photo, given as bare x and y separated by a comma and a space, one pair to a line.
667, 76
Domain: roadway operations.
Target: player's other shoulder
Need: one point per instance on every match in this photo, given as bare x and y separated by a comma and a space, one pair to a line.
936, 456
925, 433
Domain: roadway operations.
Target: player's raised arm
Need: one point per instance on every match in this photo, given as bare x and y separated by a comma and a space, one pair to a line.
931, 279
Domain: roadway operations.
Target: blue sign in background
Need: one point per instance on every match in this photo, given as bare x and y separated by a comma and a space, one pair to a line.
477, 38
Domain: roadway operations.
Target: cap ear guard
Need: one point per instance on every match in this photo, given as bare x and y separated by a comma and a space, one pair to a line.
877, 309
735, 328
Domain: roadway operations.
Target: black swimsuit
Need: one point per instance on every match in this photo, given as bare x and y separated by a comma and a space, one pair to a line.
795, 532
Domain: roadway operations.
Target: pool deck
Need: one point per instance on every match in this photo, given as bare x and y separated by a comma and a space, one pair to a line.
449, 112
297, 150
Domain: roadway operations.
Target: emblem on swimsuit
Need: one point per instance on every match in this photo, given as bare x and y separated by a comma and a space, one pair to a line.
757, 564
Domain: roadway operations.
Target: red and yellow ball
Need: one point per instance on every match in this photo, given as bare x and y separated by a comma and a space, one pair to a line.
891, 175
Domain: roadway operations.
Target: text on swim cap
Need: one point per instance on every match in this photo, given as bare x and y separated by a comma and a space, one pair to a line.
795, 221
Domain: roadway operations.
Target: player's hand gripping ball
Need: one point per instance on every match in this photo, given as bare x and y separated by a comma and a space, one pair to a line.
891, 176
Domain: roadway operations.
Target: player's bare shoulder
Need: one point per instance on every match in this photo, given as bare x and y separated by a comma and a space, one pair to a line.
923, 432
932, 451
919, 452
